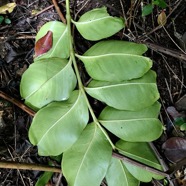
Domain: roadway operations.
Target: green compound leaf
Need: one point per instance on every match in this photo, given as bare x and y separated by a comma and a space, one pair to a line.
40, 82
44, 179
60, 45
58, 125
116, 61
117, 174
98, 24
140, 151
86, 162
126, 95
132, 125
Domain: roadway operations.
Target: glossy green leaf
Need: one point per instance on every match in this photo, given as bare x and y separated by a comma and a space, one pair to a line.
140, 151
7, 21
86, 162
147, 10
48, 80
44, 179
58, 125
60, 46
160, 3
132, 125
117, 174
126, 95
116, 61
98, 24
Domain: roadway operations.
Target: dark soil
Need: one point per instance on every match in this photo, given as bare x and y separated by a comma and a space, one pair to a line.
16, 54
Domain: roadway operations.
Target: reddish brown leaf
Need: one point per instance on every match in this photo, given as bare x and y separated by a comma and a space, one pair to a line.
44, 44
175, 149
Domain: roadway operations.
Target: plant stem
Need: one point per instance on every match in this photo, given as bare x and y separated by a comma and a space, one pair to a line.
17, 103
80, 84
39, 167
27, 166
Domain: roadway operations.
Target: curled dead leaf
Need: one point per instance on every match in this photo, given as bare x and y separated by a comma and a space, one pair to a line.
44, 44
175, 149
162, 18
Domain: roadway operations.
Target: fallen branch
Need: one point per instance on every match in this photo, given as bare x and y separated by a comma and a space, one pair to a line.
39, 167
59, 11
44, 10
17, 103
27, 166
173, 53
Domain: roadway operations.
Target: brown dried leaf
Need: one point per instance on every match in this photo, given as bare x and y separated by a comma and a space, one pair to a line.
175, 149
44, 44
162, 18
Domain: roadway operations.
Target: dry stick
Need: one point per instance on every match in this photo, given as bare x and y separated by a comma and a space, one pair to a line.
17, 103
174, 41
28, 166
17, 169
167, 51
181, 82
162, 162
75, 17
168, 117
58, 180
38, 167
44, 10
18, 37
59, 12
169, 91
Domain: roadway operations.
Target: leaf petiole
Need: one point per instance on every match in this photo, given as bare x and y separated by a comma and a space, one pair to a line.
80, 84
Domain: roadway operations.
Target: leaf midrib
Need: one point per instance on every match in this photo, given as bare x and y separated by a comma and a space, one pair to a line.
86, 153
113, 54
122, 167
61, 37
90, 21
127, 120
44, 83
125, 84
